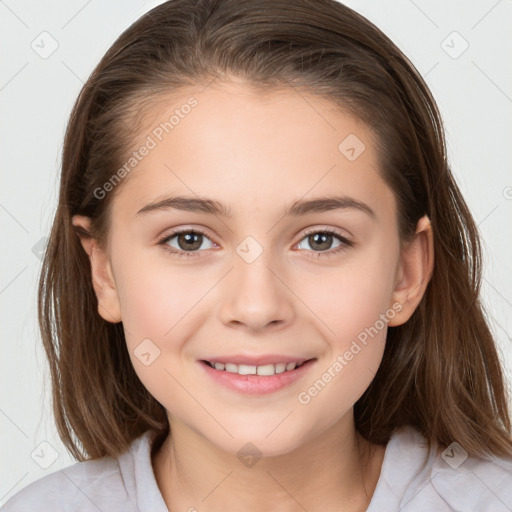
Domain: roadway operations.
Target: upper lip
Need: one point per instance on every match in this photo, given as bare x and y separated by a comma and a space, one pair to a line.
257, 360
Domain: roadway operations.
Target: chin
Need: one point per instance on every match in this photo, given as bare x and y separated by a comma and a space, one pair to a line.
259, 443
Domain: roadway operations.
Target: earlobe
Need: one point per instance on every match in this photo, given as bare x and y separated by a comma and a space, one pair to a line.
101, 272
414, 272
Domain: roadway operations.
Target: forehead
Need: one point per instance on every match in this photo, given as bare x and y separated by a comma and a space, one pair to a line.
252, 148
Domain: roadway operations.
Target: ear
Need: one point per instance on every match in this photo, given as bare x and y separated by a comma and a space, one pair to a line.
414, 272
101, 271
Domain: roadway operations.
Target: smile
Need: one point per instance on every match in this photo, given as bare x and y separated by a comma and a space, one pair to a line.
245, 369
252, 379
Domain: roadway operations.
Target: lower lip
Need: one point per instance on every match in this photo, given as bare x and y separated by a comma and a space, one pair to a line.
257, 384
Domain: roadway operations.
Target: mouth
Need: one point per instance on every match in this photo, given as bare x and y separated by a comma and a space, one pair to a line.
256, 379
248, 369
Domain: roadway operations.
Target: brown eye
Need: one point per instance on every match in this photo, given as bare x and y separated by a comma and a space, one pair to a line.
186, 241
321, 241
189, 241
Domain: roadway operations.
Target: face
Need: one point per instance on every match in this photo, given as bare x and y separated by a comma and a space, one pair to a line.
268, 283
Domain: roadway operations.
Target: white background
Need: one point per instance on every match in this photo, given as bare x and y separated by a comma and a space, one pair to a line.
474, 93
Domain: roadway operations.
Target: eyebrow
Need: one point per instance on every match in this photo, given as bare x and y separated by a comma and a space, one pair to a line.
298, 208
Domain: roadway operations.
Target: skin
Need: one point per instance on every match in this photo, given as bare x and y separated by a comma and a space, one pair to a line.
258, 153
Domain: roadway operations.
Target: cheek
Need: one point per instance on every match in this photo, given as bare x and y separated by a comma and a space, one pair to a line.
357, 314
157, 296
353, 305
351, 297
338, 383
157, 300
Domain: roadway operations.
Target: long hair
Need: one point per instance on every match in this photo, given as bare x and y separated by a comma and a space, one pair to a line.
440, 371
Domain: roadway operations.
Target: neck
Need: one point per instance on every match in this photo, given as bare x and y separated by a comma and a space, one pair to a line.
338, 469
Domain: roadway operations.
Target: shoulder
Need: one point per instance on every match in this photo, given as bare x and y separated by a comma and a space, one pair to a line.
416, 478
70, 488
107, 483
471, 483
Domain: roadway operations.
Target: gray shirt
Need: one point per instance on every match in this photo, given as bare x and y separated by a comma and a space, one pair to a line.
412, 479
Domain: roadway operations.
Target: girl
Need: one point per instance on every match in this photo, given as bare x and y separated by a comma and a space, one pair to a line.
261, 289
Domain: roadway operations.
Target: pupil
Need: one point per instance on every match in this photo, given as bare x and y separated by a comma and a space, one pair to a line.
322, 239
192, 241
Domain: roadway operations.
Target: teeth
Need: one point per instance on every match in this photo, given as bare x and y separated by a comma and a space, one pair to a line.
244, 369
268, 369
280, 367
230, 367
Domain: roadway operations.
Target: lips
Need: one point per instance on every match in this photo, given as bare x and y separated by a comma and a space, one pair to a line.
256, 379
245, 369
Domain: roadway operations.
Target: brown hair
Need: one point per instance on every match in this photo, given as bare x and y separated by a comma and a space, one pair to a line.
440, 372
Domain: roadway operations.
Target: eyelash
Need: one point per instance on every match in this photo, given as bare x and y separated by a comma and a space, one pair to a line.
345, 243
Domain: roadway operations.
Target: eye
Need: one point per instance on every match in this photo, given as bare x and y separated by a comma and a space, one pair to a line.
321, 241
188, 241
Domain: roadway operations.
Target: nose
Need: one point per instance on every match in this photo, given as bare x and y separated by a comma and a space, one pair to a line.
256, 295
